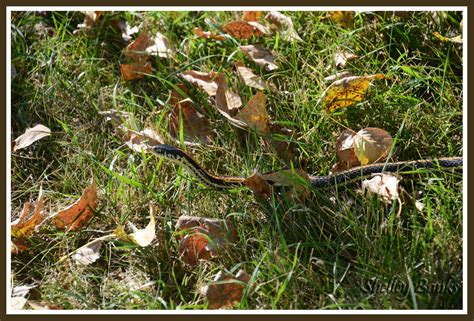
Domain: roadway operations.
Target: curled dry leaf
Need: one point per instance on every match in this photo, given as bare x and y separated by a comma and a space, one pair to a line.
284, 25
346, 155
341, 58
207, 34
145, 236
226, 290
205, 237
143, 140
195, 126
135, 70
160, 46
25, 226
261, 56
258, 185
250, 79
255, 115
385, 185
18, 245
251, 15
372, 145
204, 80
344, 92
227, 102
242, 30
343, 18
30, 136
76, 215
140, 64
88, 253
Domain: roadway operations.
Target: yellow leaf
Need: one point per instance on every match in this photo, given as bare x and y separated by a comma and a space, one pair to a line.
372, 145
23, 226
344, 92
145, 236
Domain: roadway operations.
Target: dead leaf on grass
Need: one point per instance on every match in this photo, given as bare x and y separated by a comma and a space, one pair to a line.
372, 145
344, 92
25, 226
284, 25
140, 64
76, 215
227, 102
203, 80
126, 30
255, 115
161, 47
341, 58
261, 56
205, 238
135, 70
36, 305
226, 290
346, 155
143, 140
30, 136
385, 185
242, 30
89, 253
343, 18
144, 237
208, 34
90, 21
250, 79
258, 185
17, 303
251, 15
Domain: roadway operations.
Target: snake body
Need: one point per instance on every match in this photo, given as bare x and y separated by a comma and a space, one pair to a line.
178, 156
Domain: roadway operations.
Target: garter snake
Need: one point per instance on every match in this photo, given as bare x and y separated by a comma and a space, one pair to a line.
213, 181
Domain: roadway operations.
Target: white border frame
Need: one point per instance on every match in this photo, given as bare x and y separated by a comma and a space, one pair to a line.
9, 311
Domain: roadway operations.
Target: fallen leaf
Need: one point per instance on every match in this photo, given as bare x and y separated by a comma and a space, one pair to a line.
22, 290
343, 18
161, 47
76, 215
204, 237
207, 34
30, 136
297, 180
261, 56
24, 226
282, 142
457, 39
284, 24
226, 290
90, 21
136, 70
242, 30
341, 58
88, 253
344, 92
227, 102
257, 184
263, 30
251, 15
372, 145
345, 152
145, 236
204, 80
385, 185
255, 115
17, 303
126, 30
195, 126
250, 79
143, 140
18, 245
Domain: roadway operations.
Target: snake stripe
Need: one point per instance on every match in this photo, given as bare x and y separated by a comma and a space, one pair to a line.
180, 157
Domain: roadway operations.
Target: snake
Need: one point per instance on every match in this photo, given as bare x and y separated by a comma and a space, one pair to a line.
180, 157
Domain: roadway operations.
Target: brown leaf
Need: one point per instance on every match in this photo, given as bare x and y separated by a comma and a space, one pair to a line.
345, 152
251, 15
297, 180
143, 140
227, 102
24, 226
385, 185
255, 115
205, 237
30, 136
372, 145
76, 215
257, 184
207, 34
250, 79
341, 58
204, 80
135, 70
282, 143
18, 245
196, 127
284, 24
241, 30
226, 290
344, 92
261, 56
161, 47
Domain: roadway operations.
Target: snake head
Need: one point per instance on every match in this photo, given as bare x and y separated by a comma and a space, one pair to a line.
168, 151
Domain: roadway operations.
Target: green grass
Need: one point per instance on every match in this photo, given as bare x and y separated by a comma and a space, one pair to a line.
317, 254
